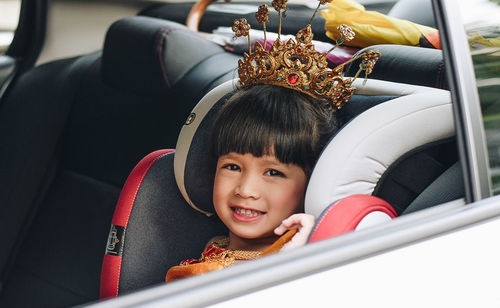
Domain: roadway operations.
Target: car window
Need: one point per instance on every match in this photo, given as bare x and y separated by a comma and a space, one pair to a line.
9, 17
481, 20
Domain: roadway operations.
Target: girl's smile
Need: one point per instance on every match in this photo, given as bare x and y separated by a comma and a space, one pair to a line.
252, 195
244, 214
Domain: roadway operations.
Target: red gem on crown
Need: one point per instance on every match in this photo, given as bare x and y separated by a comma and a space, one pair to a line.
293, 78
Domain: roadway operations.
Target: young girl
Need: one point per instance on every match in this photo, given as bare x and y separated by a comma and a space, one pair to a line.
266, 140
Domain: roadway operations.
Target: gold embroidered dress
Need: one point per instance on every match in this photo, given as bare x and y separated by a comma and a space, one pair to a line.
217, 256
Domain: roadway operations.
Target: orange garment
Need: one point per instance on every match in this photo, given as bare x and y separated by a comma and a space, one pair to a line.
195, 267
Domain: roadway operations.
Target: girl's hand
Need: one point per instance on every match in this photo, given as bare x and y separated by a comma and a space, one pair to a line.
303, 223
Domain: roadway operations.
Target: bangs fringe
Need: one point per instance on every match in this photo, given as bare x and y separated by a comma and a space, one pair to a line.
268, 120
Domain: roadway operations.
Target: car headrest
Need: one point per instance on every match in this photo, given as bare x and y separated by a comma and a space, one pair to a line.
149, 55
195, 168
358, 156
406, 64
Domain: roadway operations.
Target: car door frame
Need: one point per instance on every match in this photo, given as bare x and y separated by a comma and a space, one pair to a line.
332, 254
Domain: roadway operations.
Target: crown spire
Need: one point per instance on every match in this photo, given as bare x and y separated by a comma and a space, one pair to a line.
279, 5
242, 28
320, 2
262, 17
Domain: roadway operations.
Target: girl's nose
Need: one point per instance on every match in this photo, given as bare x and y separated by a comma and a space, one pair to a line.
248, 187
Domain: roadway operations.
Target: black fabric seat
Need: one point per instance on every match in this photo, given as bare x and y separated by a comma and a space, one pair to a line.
71, 131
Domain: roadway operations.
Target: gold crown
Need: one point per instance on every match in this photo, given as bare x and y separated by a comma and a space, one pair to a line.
296, 64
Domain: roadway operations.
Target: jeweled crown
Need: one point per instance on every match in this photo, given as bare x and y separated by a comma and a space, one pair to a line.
296, 64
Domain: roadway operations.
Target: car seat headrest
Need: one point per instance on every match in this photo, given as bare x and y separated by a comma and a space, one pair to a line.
195, 167
406, 64
359, 154
149, 55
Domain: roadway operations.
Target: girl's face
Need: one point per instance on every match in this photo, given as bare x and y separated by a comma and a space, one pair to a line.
252, 195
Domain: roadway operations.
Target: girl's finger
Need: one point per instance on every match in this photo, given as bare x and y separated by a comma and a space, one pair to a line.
280, 230
295, 219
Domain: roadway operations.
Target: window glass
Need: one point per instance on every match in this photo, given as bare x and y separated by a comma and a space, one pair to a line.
9, 17
482, 24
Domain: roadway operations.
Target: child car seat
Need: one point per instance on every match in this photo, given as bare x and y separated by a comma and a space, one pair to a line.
154, 228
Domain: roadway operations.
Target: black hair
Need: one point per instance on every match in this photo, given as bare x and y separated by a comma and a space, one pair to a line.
261, 119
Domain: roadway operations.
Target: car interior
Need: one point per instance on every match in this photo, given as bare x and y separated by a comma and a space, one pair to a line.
109, 138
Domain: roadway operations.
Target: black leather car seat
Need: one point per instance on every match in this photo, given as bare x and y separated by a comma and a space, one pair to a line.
417, 11
407, 64
71, 131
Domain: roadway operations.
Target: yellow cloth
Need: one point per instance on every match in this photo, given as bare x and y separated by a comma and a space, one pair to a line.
371, 27
477, 38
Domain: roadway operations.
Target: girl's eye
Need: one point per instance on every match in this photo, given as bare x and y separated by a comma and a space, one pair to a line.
272, 172
232, 167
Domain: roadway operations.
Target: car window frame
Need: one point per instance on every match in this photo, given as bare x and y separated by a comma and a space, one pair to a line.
469, 128
29, 36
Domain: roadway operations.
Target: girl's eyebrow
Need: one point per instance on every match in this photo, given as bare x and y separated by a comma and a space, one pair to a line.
272, 161
228, 156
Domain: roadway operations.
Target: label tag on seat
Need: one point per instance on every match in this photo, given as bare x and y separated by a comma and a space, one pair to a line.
115, 243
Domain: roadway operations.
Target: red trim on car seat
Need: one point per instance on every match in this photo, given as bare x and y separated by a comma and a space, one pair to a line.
129, 191
345, 215
110, 274
111, 265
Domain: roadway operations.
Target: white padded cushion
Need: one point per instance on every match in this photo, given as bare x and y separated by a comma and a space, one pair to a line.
356, 158
373, 219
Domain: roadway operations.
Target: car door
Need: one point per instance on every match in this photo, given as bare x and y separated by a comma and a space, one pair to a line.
443, 256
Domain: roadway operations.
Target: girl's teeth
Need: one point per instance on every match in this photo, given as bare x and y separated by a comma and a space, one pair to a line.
245, 212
